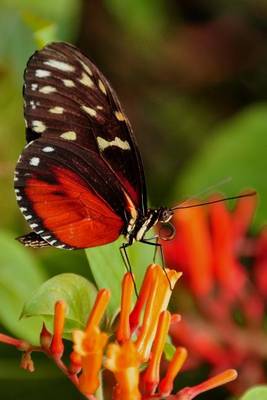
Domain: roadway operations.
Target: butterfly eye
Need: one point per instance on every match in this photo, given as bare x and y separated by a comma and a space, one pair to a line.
165, 215
166, 231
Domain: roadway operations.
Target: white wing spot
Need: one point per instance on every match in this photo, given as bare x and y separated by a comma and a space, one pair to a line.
68, 82
56, 110
33, 104
15, 178
99, 107
103, 143
26, 123
62, 66
61, 246
41, 231
86, 68
16, 190
38, 126
18, 198
41, 73
53, 242
70, 135
86, 80
119, 116
47, 89
46, 237
28, 217
48, 149
102, 86
35, 161
33, 226
34, 86
22, 209
89, 111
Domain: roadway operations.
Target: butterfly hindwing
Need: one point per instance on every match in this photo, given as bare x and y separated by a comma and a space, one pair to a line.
32, 239
68, 195
68, 98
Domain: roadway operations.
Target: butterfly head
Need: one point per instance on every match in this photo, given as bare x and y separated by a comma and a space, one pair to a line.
166, 229
165, 214
160, 215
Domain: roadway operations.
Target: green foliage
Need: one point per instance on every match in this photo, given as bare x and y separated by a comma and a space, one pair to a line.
238, 150
169, 351
20, 275
144, 19
107, 268
77, 292
30, 23
256, 393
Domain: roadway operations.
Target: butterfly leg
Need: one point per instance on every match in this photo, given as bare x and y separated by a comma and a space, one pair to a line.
157, 246
127, 263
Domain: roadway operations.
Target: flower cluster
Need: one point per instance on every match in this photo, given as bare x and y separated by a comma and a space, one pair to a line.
212, 243
134, 351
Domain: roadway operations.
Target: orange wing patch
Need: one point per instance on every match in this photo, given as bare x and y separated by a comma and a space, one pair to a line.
72, 212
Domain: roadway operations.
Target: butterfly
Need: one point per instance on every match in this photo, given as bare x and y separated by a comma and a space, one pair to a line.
79, 181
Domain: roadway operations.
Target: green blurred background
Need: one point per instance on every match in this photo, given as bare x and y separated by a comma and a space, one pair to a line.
192, 77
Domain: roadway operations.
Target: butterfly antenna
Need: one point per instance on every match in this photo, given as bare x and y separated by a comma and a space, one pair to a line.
208, 189
248, 194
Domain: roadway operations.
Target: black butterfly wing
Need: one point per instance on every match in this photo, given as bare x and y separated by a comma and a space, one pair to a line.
68, 196
68, 98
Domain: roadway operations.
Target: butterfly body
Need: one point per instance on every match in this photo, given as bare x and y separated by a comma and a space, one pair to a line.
79, 181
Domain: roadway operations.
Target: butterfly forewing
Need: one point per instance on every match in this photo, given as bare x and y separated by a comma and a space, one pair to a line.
79, 182
67, 97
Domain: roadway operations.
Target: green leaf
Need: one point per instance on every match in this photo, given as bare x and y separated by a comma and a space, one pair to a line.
256, 393
108, 268
237, 149
169, 351
64, 13
20, 275
77, 292
25, 24
44, 31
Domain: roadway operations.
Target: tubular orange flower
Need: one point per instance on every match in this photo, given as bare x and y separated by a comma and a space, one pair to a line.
57, 346
157, 301
123, 331
190, 393
89, 346
195, 237
142, 298
134, 351
213, 239
124, 361
92, 360
166, 384
151, 375
99, 309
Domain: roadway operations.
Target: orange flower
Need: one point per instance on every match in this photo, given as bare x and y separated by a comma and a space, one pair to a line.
134, 352
126, 358
155, 301
124, 361
89, 346
225, 272
57, 346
